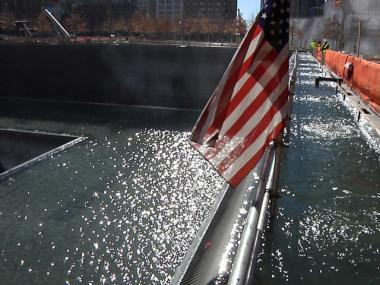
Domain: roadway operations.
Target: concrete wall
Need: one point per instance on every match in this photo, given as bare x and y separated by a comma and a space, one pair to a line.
127, 74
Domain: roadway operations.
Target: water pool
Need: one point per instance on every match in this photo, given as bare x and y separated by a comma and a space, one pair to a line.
124, 205
121, 207
328, 227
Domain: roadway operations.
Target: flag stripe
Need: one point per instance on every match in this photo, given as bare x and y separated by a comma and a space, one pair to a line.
245, 60
250, 118
254, 147
243, 171
263, 51
249, 104
249, 107
276, 83
227, 91
254, 93
253, 134
264, 71
252, 80
222, 94
230, 106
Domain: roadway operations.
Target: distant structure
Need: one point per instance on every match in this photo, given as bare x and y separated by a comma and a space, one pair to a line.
169, 9
100, 9
143, 5
28, 9
306, 8
147, 6
356, 27
349, 25
95, 9
212, 9
306, 22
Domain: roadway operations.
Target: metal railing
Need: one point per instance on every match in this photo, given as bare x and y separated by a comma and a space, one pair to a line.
246, 257
257, 200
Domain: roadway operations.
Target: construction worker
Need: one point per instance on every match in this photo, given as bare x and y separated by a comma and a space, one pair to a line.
313, 46
324, 46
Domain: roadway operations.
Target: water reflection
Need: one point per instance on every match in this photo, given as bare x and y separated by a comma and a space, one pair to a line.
327, 230
119, 209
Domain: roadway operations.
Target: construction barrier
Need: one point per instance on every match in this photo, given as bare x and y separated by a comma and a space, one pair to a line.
318, 54
361, 75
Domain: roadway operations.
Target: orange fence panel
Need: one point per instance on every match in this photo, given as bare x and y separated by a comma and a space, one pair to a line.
339, 62
329, 57
348, 77
364, 78
318, 54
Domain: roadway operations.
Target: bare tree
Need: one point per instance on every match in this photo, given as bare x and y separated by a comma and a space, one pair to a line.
141, 24
241, 24
189, 27
176, 27
7, 21
164, 26
75, 23
149, 26
251, 19
205, 27
106, 25
120, 25
43, 24
230, 28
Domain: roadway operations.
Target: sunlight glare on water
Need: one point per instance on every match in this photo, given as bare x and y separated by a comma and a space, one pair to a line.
327, 228
128, 217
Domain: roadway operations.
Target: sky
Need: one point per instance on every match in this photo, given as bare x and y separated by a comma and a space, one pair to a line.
249, 7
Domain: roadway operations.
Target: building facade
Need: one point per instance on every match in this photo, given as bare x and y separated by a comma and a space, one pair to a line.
213, 9
169, 9
28, 8
147, 6
306, 8
172, 9
94, 8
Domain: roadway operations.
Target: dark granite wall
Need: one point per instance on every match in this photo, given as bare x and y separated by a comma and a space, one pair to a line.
170, 76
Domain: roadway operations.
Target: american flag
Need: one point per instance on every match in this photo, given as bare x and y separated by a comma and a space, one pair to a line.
249, 107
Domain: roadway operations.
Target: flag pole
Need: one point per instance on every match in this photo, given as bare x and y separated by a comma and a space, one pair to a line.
248, 109
246, 257
254, 221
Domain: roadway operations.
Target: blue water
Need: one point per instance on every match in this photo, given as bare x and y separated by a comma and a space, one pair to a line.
327, 230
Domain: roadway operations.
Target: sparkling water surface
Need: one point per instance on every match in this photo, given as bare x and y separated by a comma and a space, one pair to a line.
122, 207
327, 230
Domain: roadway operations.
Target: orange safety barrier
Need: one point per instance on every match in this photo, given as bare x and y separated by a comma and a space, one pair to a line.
329, 58
364, 77
347, 76
318, 54
336, 62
